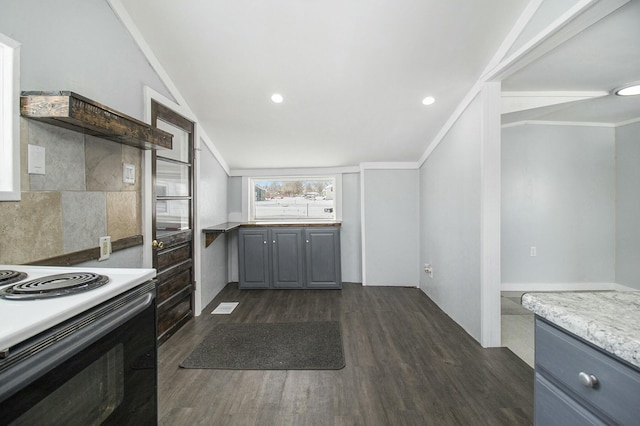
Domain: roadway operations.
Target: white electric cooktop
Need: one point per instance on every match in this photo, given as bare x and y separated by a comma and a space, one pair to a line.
21, 319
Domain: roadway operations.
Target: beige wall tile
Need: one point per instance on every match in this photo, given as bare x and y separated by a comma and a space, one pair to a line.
31, 229
123, 214
103, 160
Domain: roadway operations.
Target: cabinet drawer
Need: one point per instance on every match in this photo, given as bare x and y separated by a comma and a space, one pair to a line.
555, 408
563, 358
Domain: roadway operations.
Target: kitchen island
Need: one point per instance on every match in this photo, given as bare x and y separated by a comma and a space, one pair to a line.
587, 357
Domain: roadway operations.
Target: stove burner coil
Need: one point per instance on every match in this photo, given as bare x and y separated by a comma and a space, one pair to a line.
54, 286
8, 276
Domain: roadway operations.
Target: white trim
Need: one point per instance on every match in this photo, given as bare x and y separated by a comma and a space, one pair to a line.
363, 248
582, 15
558, 123
625, 123
512, 37
9, 119
121, 12
581, 286
294, 171
522, 101
490, 172
462, 106
406, 165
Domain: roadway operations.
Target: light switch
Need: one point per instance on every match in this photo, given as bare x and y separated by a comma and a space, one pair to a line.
128, 173
36, 160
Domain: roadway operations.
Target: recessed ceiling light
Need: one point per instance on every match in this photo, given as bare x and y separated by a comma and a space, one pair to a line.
277, 98
628, 90
428, 100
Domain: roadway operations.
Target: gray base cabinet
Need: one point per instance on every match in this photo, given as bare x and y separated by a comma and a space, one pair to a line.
253, 246
289, 257
322, 257
579, 384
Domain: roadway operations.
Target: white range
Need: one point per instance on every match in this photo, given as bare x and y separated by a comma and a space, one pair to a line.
22, 319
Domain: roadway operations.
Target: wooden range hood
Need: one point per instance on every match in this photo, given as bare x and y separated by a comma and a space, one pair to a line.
75, 112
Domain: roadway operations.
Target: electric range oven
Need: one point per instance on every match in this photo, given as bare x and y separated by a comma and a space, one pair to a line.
77, 346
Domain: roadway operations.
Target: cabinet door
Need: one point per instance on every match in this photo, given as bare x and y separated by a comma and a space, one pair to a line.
322, 252
253, 258
287, 257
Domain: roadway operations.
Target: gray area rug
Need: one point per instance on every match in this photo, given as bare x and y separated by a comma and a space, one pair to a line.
266, 346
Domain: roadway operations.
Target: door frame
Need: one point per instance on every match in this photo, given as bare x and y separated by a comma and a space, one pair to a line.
147, 205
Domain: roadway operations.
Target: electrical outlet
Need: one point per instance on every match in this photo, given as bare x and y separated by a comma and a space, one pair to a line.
105, 248
533, 252
428, 269
128, 173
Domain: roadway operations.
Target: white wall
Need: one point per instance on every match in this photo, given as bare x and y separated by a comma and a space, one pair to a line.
212, 210
391, 202
450, 221
558, 195
628, 205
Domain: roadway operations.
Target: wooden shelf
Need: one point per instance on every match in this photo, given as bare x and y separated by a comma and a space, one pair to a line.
212, 232
75, 112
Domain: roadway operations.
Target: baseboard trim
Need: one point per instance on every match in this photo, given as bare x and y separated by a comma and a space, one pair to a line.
530, 287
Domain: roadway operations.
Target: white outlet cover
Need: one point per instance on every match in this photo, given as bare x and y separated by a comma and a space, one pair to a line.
36, 160
128, 173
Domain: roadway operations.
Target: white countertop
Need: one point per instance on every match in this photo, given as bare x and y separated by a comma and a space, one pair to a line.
609, 320
21, 319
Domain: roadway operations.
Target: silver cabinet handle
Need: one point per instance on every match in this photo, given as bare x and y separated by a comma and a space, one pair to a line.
274, 241
588, 380
265, 242
307, 241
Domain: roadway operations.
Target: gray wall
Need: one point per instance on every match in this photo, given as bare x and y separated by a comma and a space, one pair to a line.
350, 232
558, 194
450, 221
628, 205
79, 46
391, 218
212, 210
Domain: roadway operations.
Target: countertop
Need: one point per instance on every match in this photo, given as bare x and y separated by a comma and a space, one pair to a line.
609, 320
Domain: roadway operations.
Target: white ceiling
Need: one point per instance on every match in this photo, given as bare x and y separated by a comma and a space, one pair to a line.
602, 57
353, 73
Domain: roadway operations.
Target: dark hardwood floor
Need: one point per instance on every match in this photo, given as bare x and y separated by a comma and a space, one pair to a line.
407, 363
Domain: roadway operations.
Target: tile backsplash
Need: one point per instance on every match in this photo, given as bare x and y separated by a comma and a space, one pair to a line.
80, 198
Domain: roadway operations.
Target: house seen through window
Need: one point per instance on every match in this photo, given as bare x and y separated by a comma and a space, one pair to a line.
293, 199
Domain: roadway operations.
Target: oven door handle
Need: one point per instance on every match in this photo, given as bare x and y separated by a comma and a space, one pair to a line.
35, 366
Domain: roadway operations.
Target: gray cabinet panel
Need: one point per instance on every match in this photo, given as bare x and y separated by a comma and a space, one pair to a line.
561, 359
287, 267
322, 258
554, 408
253, 257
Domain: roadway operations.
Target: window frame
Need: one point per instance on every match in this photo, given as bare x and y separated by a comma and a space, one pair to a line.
9, 119
249, 188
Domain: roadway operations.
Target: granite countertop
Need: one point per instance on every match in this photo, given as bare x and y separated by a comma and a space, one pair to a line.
609, 320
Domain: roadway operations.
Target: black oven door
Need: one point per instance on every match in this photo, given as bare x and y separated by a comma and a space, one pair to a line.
98, 368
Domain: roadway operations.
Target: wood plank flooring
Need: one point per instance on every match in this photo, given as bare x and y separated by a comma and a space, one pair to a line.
407, 363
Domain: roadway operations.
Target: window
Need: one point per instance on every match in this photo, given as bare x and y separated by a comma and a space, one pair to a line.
293, 198
9, 122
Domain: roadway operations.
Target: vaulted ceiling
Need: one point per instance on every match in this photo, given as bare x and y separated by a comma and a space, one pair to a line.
353, 74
